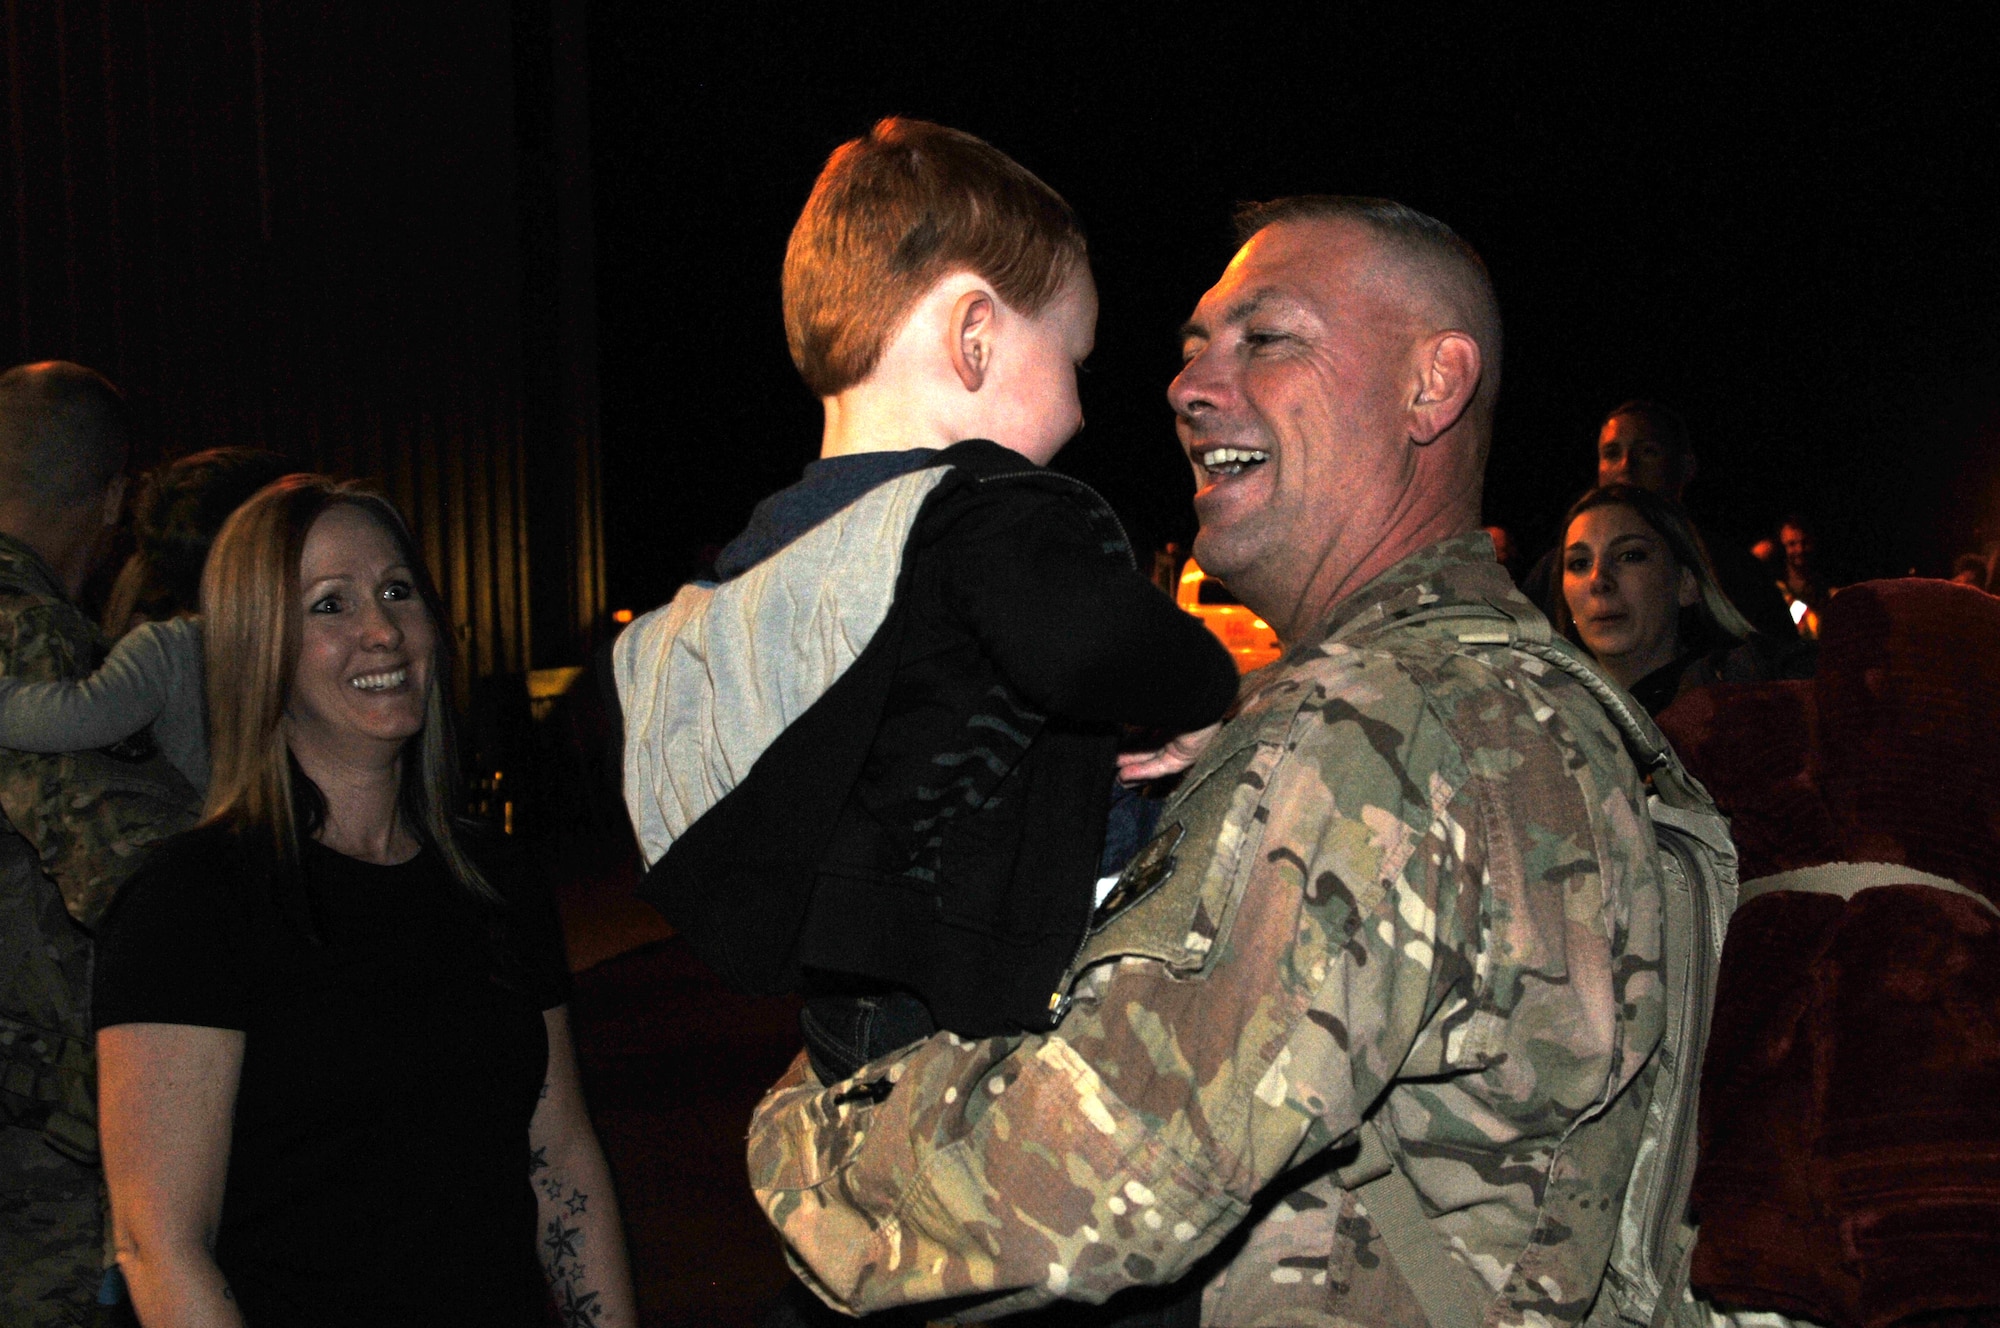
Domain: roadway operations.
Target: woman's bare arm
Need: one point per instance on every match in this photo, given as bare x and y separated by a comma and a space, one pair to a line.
166, 1097
582, 1239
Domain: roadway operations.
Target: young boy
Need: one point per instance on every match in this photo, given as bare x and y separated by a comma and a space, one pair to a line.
874, 760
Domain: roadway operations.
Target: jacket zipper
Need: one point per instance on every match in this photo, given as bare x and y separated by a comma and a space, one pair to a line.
1060, 999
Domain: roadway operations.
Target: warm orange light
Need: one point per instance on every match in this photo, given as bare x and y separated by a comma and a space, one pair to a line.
621, 615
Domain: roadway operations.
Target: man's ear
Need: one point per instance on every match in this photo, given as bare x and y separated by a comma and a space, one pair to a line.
970, 336
1690, 588
1448, 368
114, 500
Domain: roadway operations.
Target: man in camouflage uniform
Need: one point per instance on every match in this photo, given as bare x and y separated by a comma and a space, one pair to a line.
72, 831
1411, 883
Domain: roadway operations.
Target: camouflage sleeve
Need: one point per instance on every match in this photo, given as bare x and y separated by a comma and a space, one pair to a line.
1125, 1145
89, 815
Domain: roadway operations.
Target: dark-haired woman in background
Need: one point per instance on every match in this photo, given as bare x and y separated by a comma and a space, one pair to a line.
1638, 593
336, 1079
179, 511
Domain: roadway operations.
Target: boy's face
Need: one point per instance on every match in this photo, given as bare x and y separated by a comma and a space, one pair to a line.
1037, 409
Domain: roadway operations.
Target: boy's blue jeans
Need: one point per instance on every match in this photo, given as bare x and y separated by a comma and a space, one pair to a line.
843, 1032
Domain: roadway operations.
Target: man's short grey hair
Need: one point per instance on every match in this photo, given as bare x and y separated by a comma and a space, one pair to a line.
65, 433
1434, 251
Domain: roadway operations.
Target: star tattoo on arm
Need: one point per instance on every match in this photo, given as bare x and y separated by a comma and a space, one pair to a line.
563, 1242
578, 1309
564, 1211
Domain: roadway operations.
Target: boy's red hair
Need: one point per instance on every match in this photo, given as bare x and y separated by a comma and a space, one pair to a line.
892, 213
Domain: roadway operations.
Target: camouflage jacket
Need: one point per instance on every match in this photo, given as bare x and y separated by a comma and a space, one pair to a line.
1414, 877
72, 827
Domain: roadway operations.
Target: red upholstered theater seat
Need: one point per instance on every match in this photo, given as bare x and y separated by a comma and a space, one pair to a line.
1850, 1110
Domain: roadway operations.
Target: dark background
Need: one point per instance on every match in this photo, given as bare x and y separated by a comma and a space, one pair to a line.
520, 260
1781, 227
354, 232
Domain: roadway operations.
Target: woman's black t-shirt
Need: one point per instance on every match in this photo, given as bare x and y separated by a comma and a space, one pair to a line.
378, 1164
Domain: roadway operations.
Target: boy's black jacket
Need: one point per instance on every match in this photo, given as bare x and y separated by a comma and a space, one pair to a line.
934, 819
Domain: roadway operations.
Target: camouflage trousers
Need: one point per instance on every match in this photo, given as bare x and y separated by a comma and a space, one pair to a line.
51, 1235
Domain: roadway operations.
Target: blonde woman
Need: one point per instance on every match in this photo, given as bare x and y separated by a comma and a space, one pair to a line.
336, 1078
1639, 594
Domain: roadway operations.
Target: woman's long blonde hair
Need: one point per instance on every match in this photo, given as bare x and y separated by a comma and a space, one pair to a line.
1710, 621
253, 627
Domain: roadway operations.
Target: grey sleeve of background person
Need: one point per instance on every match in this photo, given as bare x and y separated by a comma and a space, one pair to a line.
152, 676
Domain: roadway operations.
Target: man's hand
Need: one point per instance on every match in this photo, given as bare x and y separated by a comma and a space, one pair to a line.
1176, 756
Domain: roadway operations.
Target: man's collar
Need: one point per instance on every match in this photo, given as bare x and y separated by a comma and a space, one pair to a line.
1458, 570
21, 566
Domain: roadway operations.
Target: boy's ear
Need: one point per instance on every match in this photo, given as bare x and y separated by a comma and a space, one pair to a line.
970, 334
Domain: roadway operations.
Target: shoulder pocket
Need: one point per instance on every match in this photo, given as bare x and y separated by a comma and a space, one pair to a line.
1175, 900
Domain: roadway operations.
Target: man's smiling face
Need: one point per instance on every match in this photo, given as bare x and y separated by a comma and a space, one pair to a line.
1291, 405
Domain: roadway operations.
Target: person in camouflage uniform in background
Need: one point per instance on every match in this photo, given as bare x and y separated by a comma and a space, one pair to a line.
1412, 881
72, 828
